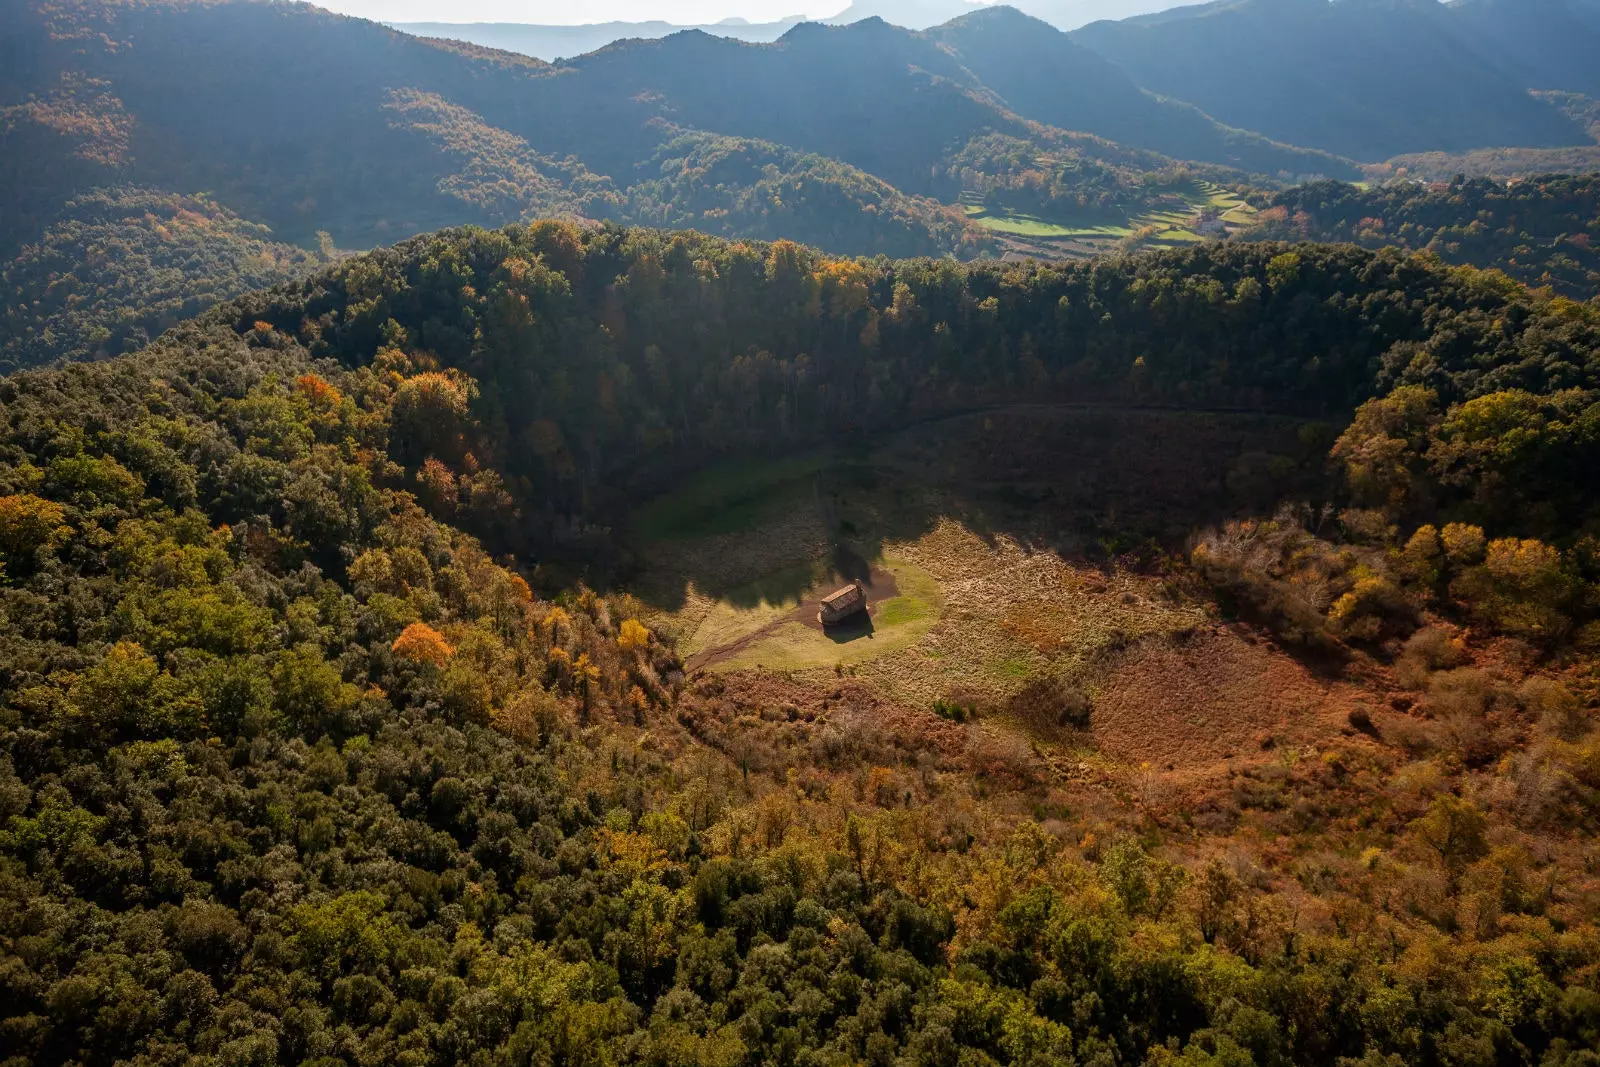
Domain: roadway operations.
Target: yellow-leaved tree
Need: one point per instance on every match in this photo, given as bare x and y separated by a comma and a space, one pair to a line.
632, 635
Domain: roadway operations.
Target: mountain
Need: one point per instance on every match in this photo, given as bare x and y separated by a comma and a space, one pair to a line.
1062, 14
311, 754
911, 14
1043, 74
1036, 70
878, 97
550, 42
553, 42
1366, 79
1545, 44
1071, 14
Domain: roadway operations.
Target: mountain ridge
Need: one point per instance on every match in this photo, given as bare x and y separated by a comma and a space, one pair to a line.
1341, 94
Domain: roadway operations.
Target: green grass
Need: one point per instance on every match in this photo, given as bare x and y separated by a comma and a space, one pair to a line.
1173, 222
897, 623
1021, 225
728, 497
1013, 667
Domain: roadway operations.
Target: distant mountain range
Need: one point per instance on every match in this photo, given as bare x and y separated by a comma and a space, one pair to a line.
556, 42
551, 42
258, 128
1369, 79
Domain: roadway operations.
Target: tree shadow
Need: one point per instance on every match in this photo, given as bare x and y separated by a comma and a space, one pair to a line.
1089, 483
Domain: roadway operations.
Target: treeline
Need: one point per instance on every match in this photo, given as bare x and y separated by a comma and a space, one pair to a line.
599, 352
1543, 231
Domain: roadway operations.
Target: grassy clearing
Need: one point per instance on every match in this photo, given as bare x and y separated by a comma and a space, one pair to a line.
728, 497
792, 646
1022, 225
988, 597
977, 648
1171, 222
1232, 206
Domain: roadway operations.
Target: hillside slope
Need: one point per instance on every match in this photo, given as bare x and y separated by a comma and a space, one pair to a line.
1544, 230
122, 265
1041, 73
1545, 44
1366, 79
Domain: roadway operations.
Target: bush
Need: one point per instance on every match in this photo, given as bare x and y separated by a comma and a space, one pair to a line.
954, 711
1048, 705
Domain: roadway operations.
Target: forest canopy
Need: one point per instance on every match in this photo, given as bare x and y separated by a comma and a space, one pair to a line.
1541, 230
294, 767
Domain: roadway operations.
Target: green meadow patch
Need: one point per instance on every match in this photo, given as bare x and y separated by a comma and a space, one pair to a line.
729, 497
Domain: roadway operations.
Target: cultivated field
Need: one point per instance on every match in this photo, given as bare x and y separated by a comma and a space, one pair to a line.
1174, 221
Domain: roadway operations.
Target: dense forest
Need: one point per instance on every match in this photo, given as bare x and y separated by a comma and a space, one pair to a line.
750, 333
295, 768
339, 724
122, 265
1542, 230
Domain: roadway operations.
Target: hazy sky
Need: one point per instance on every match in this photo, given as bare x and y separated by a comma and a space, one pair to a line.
574, 12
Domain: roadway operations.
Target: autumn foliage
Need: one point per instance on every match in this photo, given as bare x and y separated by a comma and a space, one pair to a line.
421, 643
28, 523
632, 635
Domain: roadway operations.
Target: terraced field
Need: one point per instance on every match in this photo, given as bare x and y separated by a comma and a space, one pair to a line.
1173, 222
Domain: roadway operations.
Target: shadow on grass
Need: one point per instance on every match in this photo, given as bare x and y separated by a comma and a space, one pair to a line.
1087, 482
855, 628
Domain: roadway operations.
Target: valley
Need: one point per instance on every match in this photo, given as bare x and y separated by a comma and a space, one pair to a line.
938, 535
989, 576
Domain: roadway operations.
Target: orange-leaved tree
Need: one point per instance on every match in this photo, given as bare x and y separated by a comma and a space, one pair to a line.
421, 643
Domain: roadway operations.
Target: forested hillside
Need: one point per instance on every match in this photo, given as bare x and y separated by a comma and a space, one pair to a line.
1041, 73
992, 134
1542, 231
718, 337
1366, 79
123, 265
860, 138
293, 770
411, 135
